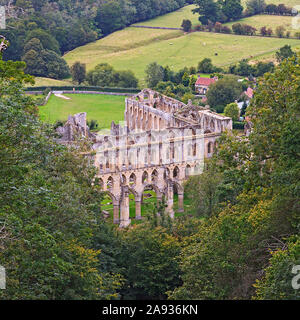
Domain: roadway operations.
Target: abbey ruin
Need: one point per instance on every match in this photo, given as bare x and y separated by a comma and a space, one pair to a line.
160, 144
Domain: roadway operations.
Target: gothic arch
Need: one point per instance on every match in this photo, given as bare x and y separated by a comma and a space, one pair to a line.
110, 183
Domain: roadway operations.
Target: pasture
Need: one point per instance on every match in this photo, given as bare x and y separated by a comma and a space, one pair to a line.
40, 81
135, 48
103, 108
269, 21
173, 19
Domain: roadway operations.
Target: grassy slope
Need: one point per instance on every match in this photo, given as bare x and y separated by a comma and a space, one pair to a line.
259, 21
39, 81
173, 19
103, 108
130, 49
289, 3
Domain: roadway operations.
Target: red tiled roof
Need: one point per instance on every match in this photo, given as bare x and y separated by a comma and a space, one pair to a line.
205, 81
249, 92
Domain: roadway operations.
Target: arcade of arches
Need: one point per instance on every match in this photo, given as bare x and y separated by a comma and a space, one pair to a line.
157, 148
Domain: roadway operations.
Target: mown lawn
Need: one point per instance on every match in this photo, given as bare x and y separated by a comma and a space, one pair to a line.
103, 108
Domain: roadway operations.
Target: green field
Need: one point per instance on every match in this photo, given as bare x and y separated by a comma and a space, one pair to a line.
289, 3
135, 48
173, 19
259, 21
103, 108
39, 82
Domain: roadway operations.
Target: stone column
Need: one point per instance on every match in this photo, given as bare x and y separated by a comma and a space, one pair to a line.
159, 196
116, 213
125, 218
138, 208
170, 197
180, 202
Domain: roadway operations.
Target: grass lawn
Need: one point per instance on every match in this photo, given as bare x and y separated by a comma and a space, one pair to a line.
134, 49
103, 108
269, 21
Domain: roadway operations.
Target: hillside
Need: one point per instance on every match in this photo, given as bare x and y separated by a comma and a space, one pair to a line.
134, 48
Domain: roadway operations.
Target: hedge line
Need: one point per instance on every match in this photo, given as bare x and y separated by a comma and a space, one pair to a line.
82, 88
238, 125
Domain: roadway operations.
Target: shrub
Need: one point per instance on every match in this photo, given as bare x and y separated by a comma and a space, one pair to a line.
280, 31
93, 124
238, 125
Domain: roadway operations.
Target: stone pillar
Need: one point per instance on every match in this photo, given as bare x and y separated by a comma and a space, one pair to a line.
116, 213
125, 218
159, 196
138, 208
180, 202
170, 197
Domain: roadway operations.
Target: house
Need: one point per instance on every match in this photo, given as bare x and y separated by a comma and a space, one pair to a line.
249, 93
202, 84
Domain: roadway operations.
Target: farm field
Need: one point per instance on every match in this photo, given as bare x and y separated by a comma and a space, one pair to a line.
289, 3
103, 108
173, 19
135, 48
270, 21
39, 82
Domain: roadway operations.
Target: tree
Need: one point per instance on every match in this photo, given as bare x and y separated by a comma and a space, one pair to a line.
255, 237
263, 31
284, 52
78, 72
48, 41
255, 6
222, 92
232, 9
186, 25
271, 8
280, 267
208, 11
102, 75
232, 110
44, 63
49, 212
280, 31
110, 17
149, 258
185, 79
206, 66
154, 74
203, 192
126, 79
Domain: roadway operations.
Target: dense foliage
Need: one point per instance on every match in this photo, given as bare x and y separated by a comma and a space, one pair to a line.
69, 24
49, 209
104, 75
243, 242
255, 235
